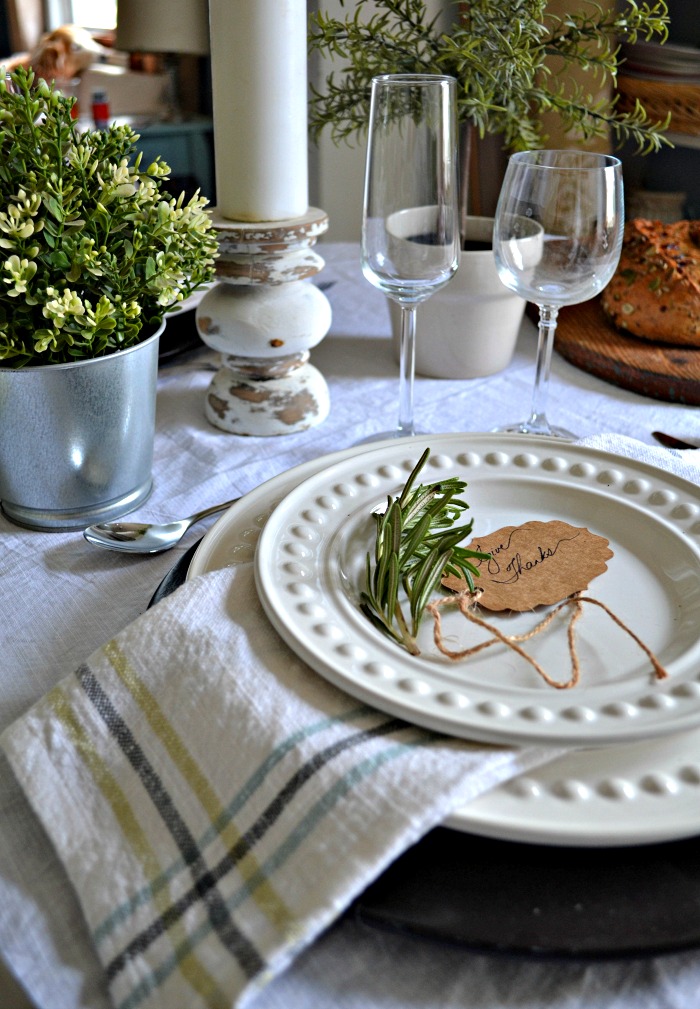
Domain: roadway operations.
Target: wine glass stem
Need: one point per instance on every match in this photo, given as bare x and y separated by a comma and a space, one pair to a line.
407, 367
545, 343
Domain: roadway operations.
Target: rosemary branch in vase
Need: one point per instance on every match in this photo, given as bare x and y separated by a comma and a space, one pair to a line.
500, 52
416, 545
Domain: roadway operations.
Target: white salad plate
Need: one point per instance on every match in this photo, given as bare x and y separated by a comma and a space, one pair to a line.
310, 568
635, 775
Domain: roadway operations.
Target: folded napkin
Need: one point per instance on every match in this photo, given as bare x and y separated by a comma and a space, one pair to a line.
684, 462
217, 804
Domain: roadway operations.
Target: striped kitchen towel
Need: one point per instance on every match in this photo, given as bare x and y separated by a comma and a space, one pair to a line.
217, 804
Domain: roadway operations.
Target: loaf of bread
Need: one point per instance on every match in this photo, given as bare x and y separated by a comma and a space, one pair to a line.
655, 292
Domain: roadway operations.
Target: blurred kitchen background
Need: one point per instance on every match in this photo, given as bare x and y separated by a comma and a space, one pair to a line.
153, 69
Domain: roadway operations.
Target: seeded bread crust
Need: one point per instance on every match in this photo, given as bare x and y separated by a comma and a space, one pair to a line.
655, 292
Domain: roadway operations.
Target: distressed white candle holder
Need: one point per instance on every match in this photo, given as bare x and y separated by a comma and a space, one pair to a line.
264, 317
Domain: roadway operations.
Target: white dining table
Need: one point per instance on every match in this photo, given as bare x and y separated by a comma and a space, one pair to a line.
62, 598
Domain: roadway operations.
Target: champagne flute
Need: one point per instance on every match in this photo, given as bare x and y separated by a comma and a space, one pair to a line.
410, 223
557, 239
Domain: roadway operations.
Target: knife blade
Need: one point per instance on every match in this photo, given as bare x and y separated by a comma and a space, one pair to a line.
670, 441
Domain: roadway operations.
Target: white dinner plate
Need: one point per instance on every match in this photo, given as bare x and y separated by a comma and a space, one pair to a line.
634, 792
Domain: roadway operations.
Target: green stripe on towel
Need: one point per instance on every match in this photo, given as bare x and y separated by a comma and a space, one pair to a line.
188, 964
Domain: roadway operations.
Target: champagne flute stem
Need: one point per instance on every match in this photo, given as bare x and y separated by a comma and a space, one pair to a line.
538, 422
407, 367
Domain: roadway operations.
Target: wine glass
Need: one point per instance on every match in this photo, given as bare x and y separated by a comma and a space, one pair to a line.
410, 224
557, 239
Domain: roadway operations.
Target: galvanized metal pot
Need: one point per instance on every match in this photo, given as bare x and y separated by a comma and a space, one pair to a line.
76, 440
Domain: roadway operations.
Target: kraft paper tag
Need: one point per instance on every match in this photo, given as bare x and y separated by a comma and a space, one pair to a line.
535, 564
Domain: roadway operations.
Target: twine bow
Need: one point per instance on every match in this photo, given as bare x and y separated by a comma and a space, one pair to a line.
467, 601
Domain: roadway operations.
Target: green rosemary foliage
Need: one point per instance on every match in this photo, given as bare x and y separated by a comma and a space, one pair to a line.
499, 52
416, 544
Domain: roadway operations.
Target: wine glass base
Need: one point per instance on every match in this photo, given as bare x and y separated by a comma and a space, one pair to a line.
542, 430
385, 435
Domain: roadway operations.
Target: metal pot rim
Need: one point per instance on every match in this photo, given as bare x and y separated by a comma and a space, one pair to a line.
83, 361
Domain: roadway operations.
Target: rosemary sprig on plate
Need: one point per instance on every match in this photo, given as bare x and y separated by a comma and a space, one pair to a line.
416, 545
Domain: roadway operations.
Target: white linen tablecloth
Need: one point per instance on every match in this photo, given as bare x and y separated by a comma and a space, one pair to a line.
62, 599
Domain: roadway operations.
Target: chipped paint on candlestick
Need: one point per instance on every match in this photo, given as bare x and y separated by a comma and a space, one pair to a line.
271, 407
263, 316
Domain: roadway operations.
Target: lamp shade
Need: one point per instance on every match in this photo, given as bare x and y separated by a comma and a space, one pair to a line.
163, 26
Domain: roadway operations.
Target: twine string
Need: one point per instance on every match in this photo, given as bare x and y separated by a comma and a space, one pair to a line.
467, 602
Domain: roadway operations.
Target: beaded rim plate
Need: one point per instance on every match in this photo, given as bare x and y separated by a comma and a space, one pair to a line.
634, 793
310, 563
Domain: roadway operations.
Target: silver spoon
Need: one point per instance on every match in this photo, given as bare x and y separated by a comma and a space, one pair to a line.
146, 537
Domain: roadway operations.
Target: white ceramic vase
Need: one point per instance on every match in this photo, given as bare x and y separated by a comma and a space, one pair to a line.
470, 328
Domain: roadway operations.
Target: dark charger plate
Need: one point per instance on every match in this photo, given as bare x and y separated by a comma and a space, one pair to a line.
180, 335
494, 896
503, 897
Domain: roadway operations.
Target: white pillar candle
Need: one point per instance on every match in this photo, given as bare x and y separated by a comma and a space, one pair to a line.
259, 93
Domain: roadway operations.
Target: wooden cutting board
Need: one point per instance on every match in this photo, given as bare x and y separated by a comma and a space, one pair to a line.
588, 340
